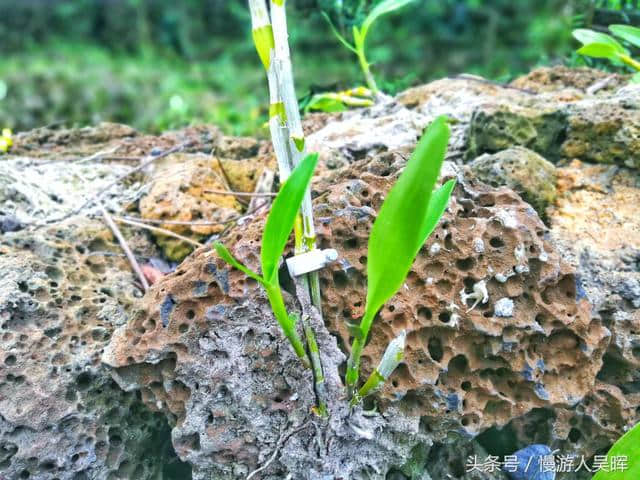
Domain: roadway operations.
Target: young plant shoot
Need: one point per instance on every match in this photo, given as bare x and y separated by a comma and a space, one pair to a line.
601, 45
276, 233
407, 217
360, 32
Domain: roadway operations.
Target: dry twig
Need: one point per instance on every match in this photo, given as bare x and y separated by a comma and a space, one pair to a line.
162, 231
94, 198
125, 246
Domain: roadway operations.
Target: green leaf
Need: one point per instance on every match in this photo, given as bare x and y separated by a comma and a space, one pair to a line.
627, 446
586, 36
598, 50
325, 103
337, 34
437, 206
383, 8
282, 216
636, 78
406, 217
627, 32
226, 255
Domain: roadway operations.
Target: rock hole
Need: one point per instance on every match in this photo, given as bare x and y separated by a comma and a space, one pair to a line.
424, 312
465, 264
435, 349
496, 242
574, 435
351, 244
340, 279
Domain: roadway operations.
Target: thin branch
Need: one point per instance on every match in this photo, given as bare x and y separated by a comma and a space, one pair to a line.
162, 231
203, 223
122, 241
240, 194
98, 155
146, 162
125, 246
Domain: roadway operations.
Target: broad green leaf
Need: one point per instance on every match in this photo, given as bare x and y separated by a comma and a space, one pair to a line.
628, 446
384, 7
405, 217
226, 255
282, 216
586, 36
325, 103
437, 206
627, 32
598, 50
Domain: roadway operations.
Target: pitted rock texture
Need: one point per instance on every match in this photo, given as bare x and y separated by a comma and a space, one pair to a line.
205, 350
585, 80
590, 128
204, 328
63, 292
594, 224
189, 188
113, 140
522, 170
462, 358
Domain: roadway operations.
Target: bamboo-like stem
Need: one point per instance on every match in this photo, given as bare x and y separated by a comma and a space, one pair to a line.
271, 38
297, 150
302, 292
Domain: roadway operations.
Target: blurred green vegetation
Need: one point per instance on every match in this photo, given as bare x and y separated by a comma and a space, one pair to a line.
159, 64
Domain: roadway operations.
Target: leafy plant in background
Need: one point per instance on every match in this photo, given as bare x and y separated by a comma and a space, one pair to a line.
600, 45
339, 101
360, 33
627, 446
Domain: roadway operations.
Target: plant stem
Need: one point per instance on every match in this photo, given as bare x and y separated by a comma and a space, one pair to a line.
630, 61
392, 357
302, 291
353, 363
366, 70
287, 323
304, 232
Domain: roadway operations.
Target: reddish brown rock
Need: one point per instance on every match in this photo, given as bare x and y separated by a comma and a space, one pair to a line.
205, 349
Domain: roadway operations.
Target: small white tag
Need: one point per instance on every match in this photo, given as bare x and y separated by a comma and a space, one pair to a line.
310, 261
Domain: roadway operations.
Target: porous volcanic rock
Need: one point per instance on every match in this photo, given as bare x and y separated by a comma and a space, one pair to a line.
559, 77
602, 129
205, 350
64, 290
481, 369
522, 170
